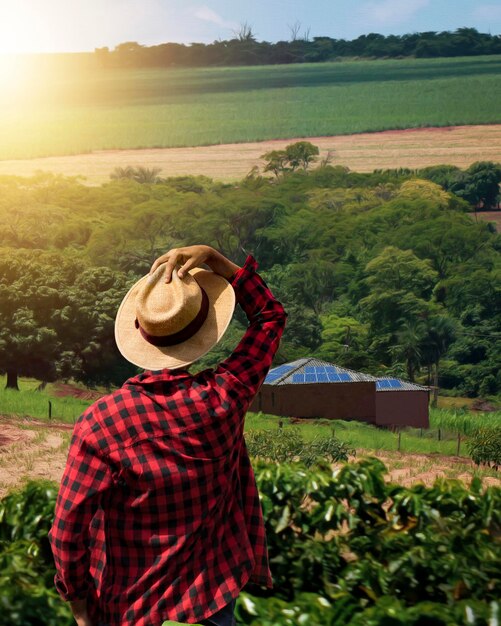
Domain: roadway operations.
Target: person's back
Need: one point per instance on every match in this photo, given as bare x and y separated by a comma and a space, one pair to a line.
158, 515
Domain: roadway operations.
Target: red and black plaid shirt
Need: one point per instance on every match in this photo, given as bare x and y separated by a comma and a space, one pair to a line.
158, 515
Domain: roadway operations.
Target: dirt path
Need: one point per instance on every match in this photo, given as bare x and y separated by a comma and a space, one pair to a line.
30, 449
456, 145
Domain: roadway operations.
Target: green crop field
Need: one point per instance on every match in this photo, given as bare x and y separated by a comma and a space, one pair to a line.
79, 109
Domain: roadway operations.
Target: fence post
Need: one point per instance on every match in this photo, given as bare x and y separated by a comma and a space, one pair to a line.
459, 444
50, 410
440, 434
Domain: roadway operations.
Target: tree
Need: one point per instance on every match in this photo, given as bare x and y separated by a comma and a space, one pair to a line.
145, 175
140, 174
301, 154
439, 334
56, 317
408, 349
295, 155
344, 340
245, 33
479, 185
120, 173
276, 162
400, 270
400, 285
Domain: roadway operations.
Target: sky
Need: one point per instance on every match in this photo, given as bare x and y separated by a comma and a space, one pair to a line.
83, 25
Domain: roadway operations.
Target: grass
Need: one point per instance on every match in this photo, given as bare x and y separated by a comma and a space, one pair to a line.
73, 112
463, 421
412, 440
29, 402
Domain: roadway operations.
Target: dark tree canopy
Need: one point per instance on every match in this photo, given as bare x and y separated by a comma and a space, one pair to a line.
244, 49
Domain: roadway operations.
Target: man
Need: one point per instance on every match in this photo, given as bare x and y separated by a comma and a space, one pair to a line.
158, 514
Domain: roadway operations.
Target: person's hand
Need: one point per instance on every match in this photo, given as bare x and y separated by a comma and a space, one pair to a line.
189, 257
79, 610
194, 256
84, 621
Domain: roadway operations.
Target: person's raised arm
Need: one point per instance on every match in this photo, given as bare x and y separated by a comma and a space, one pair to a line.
252, 358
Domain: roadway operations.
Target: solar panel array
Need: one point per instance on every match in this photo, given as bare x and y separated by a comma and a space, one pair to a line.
277, 372
389, 383
321, 374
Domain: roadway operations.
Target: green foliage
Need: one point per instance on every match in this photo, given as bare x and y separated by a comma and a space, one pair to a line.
57, 317
485, 447
244, 49
142, 175
287, 444
27, 591
381, 272
345, 548
313, 610
294, 156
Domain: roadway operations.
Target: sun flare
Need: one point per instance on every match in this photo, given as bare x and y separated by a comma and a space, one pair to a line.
23, 29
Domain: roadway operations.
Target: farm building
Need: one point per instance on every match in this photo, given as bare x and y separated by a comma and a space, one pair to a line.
313, 388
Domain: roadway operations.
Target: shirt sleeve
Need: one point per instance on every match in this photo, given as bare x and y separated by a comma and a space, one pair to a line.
252, 358
85, 478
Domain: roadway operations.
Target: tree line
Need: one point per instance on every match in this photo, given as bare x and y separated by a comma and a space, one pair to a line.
384, 272
245, 49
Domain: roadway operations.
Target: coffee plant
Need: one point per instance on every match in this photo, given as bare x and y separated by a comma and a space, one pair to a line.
485, 447
346, 549
287, 444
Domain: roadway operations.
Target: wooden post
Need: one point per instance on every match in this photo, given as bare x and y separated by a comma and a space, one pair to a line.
50, 410
440, 434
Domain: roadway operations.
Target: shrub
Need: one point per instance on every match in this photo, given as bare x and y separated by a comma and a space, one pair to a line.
287, 445
485, 447
346, 548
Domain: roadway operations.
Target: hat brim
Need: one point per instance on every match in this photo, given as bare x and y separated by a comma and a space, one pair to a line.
138, 351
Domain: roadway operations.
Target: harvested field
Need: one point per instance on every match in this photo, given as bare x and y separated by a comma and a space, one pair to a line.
30, 449
413, 148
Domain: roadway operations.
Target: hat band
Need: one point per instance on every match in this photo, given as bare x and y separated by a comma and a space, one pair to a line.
162, 341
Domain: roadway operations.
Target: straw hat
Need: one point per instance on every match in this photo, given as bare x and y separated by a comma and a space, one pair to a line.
170, 325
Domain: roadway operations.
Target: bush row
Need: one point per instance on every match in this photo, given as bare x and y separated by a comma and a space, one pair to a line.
346, 548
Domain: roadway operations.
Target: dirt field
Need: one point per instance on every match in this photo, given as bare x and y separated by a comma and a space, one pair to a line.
32, 449
457, 145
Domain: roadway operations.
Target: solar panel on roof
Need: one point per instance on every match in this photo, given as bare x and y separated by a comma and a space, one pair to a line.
333, 377
395, 383
344, 376
298, 378
322, 378
277, 372
389, 383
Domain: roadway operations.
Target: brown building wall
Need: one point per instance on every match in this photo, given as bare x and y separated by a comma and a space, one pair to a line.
354, 400
403, 408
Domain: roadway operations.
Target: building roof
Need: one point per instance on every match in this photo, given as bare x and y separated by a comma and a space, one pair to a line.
315, 371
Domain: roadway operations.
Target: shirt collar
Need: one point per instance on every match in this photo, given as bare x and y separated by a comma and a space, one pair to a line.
149, 377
